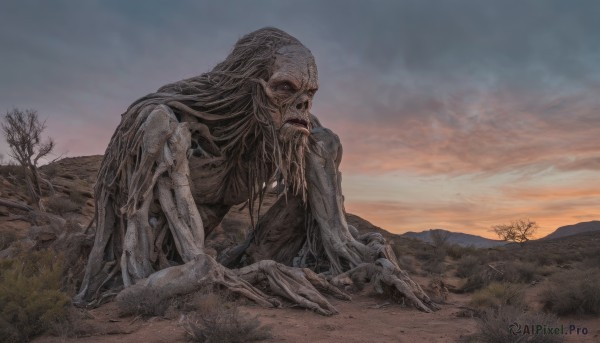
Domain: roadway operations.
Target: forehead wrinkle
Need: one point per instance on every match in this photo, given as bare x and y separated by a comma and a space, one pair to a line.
287, 76
297, 62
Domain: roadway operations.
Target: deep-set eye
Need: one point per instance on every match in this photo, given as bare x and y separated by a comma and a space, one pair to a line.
285, 87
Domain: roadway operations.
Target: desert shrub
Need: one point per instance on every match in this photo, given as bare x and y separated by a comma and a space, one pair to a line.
219, 321
146, 303
50, 170
544, 257
432, 260
62, 205
474, 282
73, 325
591, 261
497, 294
12, 169
506, 325
551, 257
573, 292
545, 270
518, 271
31, 300
526, 271
410, 246
78, 198
434, 266
202, 301
426, 253
457, 252
467, 266
6, 239
558, 257
437, 291
480, 275
493, 255
407, 263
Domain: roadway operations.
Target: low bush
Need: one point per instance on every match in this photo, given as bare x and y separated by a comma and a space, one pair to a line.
78, 198
6, 239
74, 325
31, 300
456, 252
407, 263
434, 267
573, 292
550, 257
518, 271
508, 324
11, 169
591, 261
497, 295
147, 303
219, 321
480, 275
62, 205
467, 266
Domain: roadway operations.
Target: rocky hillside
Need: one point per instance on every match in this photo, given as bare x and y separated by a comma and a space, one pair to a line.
575, 229
73, 178
458, 238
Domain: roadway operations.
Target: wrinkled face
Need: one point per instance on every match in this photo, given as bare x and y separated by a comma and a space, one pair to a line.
291, 89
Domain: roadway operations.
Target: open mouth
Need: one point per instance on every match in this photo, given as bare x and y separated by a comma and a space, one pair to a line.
298, 122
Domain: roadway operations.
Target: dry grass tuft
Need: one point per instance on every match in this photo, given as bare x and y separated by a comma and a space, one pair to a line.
146, 303
31, 300
497, 295
219, 321
495, 327
6, 239
573, 292
62, 205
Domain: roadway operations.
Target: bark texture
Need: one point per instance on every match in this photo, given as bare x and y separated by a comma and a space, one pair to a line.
242, 126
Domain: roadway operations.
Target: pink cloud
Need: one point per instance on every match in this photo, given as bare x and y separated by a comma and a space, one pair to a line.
500, 134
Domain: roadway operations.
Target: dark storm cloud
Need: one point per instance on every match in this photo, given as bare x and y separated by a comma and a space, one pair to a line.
460, 95
419, 67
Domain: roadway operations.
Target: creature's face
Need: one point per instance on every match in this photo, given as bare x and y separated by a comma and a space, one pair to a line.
291, 89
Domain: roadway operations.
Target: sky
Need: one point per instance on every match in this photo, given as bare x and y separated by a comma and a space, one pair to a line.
452, 114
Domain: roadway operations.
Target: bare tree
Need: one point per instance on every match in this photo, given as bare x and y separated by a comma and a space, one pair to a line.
23, 132
439, 238
519, 231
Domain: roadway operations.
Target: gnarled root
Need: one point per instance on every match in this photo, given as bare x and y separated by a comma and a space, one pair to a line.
201, 272
295, 284
383, 274
299, 285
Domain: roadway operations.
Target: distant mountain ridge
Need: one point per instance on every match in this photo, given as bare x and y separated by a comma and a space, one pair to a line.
574, 229
78, 174
458, 238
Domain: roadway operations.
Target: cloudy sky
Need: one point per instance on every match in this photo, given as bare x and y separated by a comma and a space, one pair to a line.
453, 114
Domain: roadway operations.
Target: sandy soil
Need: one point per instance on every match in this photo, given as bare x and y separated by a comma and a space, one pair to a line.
364, 319
359, 321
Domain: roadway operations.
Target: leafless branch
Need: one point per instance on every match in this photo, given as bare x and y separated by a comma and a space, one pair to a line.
23, 132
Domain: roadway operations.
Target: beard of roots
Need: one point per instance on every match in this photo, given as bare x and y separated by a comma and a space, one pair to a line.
293, 146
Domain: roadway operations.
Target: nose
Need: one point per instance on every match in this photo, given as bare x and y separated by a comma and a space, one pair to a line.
302, 106
303, 103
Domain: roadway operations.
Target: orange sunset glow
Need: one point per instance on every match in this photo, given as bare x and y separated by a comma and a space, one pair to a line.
472, 116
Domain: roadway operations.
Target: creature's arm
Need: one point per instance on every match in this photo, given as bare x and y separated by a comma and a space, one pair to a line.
352, 259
